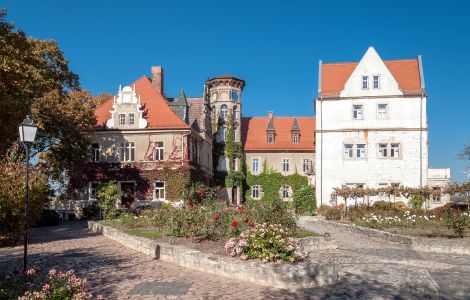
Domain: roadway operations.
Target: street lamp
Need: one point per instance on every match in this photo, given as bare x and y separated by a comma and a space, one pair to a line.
27, 135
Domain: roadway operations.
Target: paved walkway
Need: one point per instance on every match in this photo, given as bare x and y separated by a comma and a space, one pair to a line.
368, 269
382, 268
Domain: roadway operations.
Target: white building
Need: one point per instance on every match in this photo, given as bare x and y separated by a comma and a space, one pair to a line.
371, 125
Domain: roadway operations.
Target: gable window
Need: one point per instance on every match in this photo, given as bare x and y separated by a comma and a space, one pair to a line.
270, 138
394, 150
376, 81
223, 111
382, 111
354, 151
365, 82
131, 119
122, 119
126, 151
357, 112
159, 190
307, 166
285, 165
159, 151
295, 138
255, 165
256, 192
95, 152
285, 192
383, 150
92, 190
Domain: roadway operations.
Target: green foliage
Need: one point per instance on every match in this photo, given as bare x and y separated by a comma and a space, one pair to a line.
417, 201
271, 183
234, 178
12, 197
108, 195
200, 193
304, 200
457, 221
91, 211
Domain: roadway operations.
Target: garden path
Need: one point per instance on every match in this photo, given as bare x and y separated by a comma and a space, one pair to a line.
395, 267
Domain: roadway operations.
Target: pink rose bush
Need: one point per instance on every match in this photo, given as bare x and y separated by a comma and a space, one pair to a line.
58, 286
269, 243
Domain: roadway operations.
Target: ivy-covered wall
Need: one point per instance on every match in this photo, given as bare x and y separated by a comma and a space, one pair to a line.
271, 183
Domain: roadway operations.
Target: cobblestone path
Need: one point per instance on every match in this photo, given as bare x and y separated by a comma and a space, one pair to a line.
393, 269
368, 269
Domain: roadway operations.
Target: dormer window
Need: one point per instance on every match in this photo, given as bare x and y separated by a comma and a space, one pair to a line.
376, 82
122, 119
131, 119
295, 138
270, 137
365, 82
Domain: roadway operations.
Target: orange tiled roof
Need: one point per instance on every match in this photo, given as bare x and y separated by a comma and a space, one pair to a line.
254, 135
156, 110
405, 71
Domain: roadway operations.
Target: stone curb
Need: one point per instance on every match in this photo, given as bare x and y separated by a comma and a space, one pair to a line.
282, 275
413, 243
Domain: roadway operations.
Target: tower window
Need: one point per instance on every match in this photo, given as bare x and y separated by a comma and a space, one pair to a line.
376, 81
234, 96
365, 82
223, 111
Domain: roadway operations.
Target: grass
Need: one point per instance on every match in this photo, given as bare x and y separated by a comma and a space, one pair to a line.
306, 233
151, 234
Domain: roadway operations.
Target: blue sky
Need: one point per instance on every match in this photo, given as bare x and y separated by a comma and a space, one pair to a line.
274, 45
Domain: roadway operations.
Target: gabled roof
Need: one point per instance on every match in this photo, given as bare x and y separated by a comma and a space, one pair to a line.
254, 136
405, 71
157, 112
271, 124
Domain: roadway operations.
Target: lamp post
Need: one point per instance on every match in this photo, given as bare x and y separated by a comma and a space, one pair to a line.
27, 131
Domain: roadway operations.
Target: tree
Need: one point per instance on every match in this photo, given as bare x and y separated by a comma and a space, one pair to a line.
465, 154
35, 80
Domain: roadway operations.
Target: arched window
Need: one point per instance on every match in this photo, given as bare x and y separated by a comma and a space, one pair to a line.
235, 113
213, 112
223, 111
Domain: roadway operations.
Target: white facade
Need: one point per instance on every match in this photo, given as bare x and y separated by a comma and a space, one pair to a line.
372, 133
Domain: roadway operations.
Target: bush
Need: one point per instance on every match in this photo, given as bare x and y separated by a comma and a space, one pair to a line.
91, 211
358, 212
48, 218
266, 242
108, 195
201, 194
417, 201
304, 200
381, 205
457, 221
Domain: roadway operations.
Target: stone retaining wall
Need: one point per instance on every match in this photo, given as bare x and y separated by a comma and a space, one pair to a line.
283, 275
422, 245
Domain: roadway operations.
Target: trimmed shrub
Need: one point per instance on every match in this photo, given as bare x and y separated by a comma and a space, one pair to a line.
304, 200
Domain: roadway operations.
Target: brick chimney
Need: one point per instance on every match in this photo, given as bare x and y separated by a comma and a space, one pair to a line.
157, 79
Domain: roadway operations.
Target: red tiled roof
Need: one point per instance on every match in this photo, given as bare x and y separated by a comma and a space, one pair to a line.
156, 110
254, 135
405, 71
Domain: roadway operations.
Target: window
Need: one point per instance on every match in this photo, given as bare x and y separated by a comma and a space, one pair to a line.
122, 119
126, 151
159, 190
256, 192
213, 112
235, 113
395, 150
270, 138
355, 150
376, 81
95, 152
255, 165
436, 195
357, 112
285, 165
92, 190
223, 134
295, 138
223, 111
365, 82
307, 166
234, 96
348, 150
360, 150
285, 193
159, 151
381, 111
383, 150
131, 119
222, 165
